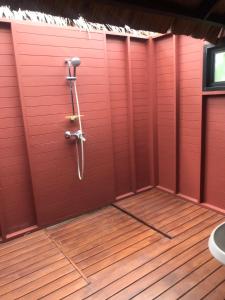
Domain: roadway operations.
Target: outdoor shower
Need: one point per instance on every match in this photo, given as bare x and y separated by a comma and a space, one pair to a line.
77, 135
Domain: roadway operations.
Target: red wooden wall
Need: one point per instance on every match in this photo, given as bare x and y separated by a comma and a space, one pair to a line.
16, 198
130, 110
141, 111
39, 184
214, 187
190, 129
165, 111
146, 120
190, 53
118, 90
41, 54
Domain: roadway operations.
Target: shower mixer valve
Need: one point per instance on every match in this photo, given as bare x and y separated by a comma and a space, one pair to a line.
78, 135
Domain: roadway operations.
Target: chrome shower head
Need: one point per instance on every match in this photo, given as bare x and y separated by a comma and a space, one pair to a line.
75, 61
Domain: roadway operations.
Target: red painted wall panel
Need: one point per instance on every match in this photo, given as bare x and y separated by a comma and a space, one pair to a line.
190, 115
118, 90
214, 185
165, 111
16, 202
38, 166
141, 111
41, 53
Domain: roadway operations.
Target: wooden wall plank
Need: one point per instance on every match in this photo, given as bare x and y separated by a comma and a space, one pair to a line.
141, 111
165, 112
214, 180
17, 210
131, 117
190, 116
117, 59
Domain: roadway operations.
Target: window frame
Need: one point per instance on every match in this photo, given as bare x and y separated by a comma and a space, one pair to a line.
208, 68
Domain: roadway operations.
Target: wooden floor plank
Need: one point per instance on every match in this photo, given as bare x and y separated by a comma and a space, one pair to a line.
39, 248
27, 247
22, 242
155, 210
20, 292
177, 214
113, 217
31, 266
218, 292
51, 287
66, 290
140, 281
172, 286
145, 234
102, 243
146, 203
194, 221
161, 211
150, 207
193, 278
172, 214
101, 234
32, 260
135, 200
122, 257
128, 264
33, 276
145, 269
181, 220
207, 285
110, 244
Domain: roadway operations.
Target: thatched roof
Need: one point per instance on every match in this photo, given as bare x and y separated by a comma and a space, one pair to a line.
80, 23
198, 18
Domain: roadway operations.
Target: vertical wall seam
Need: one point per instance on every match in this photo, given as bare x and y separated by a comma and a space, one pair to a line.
202, 142
176, 112
203, 147
131, 118
110, 109
2, 217
153, 100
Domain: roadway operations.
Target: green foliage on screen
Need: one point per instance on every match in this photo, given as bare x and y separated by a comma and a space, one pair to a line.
219, 72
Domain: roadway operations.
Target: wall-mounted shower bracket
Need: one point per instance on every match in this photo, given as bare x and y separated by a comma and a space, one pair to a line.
71, 78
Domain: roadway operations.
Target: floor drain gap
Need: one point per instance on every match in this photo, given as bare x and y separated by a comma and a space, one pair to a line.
142, 221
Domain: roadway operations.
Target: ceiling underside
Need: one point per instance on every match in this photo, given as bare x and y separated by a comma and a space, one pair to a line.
203, 19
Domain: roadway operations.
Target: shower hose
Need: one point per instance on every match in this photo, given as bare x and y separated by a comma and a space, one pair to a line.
79, 154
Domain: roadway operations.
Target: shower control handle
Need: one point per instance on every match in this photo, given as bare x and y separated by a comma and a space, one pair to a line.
68, 134
79, 135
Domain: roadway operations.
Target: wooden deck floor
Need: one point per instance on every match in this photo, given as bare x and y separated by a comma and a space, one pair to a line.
110, 255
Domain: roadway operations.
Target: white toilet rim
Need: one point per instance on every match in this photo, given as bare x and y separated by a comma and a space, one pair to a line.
215, 250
